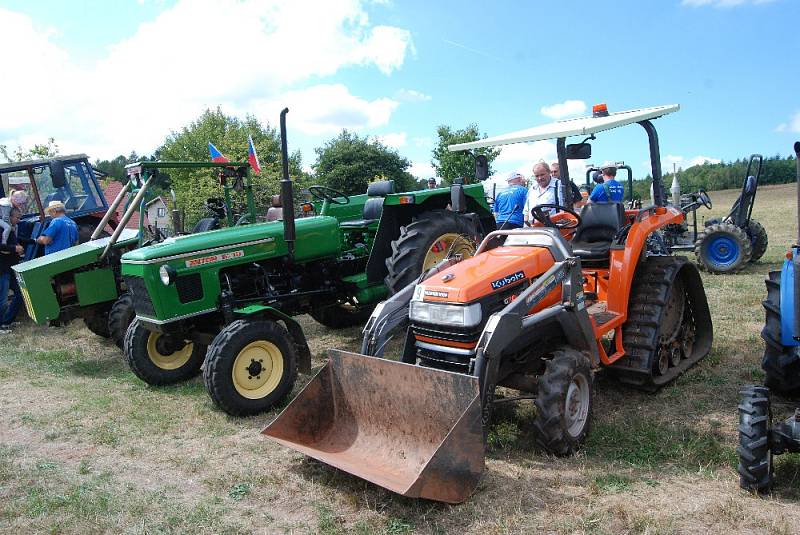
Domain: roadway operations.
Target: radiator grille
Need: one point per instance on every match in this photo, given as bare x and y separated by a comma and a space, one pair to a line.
189, 288
141, 299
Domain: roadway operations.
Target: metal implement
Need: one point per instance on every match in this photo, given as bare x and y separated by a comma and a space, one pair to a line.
415, 431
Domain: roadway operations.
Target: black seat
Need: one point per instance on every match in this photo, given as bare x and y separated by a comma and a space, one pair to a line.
600, 223
373, 208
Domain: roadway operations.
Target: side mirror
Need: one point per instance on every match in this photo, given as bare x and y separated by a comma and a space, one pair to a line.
579, 151
481, 167
57, 174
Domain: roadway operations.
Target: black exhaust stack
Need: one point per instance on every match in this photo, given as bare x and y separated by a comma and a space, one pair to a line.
287, 193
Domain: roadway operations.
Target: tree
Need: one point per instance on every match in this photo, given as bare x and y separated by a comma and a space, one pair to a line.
229, 135
348, 163
38, 152
450, 165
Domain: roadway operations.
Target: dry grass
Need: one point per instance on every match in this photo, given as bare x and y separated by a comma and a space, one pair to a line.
86, 447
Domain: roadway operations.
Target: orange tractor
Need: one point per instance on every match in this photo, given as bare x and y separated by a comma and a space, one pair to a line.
534, 312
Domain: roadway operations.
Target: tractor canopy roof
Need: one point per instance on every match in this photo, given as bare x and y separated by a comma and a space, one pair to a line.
18, 166
581, 126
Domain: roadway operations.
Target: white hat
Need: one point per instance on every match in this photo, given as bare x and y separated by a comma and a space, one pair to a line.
514, 175
55, 206
608, 164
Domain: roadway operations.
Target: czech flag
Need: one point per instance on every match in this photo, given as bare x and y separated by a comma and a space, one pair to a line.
216, 155
252, 157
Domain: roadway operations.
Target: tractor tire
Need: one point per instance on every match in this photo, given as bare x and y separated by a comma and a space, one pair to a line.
723, 248
669, 325
236, 376
428, 239
755, 457
758, 239
206, 224
564, 402
98, 323
781, 364
712, 221
147, 361
120, 318
342, 316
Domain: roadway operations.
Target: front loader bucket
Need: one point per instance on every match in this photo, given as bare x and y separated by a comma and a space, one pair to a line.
415, 431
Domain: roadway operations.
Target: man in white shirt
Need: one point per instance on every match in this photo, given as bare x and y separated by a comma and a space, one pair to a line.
545, 190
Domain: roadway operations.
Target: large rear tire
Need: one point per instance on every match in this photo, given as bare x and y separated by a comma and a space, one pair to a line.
342, 316
251, 366
206, 224
97, 322
427, 240
755, 457
723, 248
120, 318
758, 239
155, 359
781, 363
564, 402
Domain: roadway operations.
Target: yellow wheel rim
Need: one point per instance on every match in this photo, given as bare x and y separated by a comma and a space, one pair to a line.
172, 361
258, 369
450, 243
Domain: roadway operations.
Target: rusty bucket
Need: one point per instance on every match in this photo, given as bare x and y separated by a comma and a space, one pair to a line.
415, 431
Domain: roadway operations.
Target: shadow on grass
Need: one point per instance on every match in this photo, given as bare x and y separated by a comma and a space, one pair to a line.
100, 369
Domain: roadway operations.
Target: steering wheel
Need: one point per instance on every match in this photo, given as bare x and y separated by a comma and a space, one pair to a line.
324, 193
544, 218
703, 197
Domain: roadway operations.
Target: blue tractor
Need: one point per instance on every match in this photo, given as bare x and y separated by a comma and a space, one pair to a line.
69, 179
759, 439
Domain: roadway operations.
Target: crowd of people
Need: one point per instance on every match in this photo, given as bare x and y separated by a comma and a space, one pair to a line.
59, 234
513, 206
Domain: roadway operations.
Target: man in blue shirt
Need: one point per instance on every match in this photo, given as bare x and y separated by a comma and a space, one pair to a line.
509, 204
61, 233
609, 190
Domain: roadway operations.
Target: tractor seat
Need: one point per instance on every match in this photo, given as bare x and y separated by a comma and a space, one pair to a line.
600, 223
373, 208
275, 212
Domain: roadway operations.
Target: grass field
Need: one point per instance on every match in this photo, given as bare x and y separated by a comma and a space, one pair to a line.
87, 447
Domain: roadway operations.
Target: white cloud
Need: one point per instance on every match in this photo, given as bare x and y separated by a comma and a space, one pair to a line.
524, 155
723, 3
422, 141
172, 68
422, 170
411, 95
564, 109
684, 163
781, 127
394, 140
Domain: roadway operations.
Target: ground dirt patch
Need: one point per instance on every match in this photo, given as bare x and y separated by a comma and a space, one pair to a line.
87, 447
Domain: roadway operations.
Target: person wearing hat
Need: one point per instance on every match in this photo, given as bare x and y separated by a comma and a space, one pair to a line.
510, 203
61, 233
609, 190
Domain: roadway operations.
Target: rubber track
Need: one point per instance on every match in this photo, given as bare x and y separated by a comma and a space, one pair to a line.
780, 363
754, 467
641, 332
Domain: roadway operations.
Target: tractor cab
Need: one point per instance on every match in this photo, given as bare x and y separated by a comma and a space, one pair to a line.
68, 179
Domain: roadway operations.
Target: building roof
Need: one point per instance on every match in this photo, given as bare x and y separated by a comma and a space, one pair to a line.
111, 190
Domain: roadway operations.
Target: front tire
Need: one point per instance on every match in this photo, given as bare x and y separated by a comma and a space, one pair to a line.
156, 361
755, 457
120, 318
564, 402
424, 242
251, 366
723, 248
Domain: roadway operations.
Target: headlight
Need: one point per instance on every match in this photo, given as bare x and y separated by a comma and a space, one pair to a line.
439, 314
167, 274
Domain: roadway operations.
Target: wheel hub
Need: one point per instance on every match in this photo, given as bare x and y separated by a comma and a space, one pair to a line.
577, 405
448, 244
257, 369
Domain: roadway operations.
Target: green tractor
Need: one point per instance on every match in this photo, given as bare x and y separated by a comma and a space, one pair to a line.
226, 300
85, 281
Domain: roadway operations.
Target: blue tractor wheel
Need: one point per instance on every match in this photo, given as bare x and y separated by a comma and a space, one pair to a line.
723, 248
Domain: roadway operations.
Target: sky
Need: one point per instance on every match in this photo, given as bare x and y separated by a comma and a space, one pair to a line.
107, 78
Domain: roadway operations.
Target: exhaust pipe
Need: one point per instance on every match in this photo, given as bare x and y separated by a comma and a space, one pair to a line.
287, 193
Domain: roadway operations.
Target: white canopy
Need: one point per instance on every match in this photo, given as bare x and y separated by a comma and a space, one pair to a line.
582, 126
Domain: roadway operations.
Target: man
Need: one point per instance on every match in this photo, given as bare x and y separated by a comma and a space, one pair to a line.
509, 204
609, 190
577, 198
431, 183
61, 233
9, 255
545, 190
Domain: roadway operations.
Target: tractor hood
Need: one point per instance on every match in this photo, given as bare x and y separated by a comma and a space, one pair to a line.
74, 257
321, 227
484, 274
